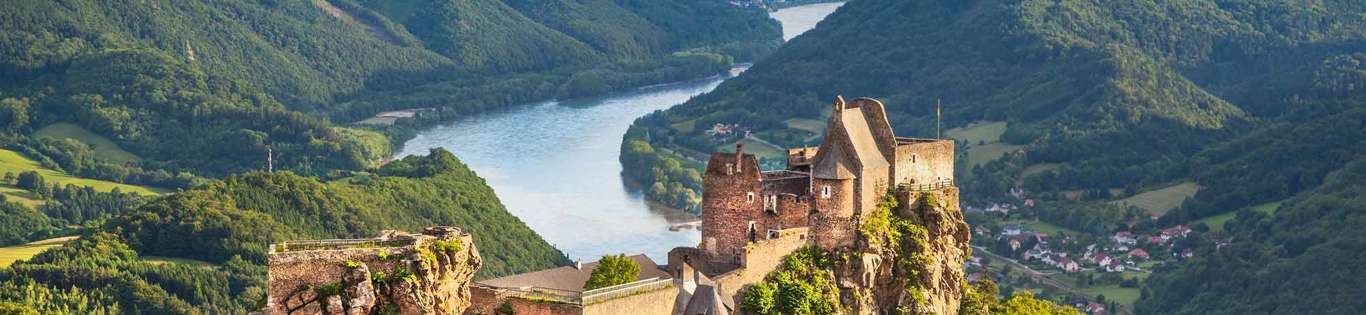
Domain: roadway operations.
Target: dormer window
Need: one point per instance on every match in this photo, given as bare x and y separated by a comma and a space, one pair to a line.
730, 169
825, 191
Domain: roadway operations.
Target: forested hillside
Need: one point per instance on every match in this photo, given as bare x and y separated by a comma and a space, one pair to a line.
224, 229
1249, 102
206, 88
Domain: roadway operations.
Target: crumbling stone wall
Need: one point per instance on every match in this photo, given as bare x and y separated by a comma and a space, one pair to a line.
420, 278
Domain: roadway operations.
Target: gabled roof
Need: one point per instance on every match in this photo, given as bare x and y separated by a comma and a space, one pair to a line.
837, 161
861, 136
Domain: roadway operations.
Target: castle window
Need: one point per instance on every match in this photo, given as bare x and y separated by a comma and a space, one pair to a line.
772, 234
825, 191
771, 203
749, 197
730, 169
913, 158
753, 233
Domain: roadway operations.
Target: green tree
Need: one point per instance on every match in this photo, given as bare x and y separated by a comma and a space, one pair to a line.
759, 299
613, 270
30, 180
13, 114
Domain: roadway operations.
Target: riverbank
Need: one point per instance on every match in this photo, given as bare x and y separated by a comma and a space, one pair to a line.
668, 171
557, 166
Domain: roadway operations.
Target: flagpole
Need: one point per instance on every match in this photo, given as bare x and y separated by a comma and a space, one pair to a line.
937, 119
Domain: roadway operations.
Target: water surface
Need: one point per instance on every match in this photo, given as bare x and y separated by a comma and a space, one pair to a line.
554, 164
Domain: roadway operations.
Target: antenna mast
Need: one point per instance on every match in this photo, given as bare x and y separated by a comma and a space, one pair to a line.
270, 159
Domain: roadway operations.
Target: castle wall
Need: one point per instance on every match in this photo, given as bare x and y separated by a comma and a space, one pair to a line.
872, 185
924, 162
655, 302
840, 203
731, 197
522, 306
760, 259
833, 232
792, 204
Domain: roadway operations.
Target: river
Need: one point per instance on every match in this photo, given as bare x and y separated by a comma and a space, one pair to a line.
554, 164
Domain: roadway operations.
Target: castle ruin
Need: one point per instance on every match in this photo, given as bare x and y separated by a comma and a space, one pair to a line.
751, 219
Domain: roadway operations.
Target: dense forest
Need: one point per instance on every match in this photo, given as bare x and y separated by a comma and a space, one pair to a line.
207, 89
1254, 101
225, 226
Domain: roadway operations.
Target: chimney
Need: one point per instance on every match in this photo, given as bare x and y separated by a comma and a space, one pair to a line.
739, 155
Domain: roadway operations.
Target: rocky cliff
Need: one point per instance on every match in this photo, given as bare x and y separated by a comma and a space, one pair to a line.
910, 260
394, 273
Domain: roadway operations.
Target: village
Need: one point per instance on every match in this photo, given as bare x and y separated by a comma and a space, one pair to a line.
1097, 273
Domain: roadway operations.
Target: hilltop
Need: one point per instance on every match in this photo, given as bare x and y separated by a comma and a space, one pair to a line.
1189, 109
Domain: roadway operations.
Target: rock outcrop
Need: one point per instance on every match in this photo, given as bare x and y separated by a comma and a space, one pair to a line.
924, 274
394, 273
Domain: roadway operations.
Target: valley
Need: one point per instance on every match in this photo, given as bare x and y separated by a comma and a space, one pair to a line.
554, 164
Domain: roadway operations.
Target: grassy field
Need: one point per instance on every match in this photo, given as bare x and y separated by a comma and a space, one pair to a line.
684, 126
1216, 223
978, 132
757, 148
981, 154
21, 196
984, 141
1160, 201
816, 127
811, 125
1267, 208
1048, 228
104, 148
16, 163
8, 255
1038, 169
1123, 296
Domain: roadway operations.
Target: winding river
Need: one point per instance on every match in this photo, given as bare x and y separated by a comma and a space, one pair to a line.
554, 164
